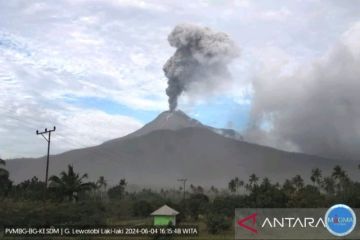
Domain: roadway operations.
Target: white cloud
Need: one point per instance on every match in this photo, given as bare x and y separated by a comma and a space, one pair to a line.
280, 14
83, 128
351, 38
75, 128
115, 50
141, 4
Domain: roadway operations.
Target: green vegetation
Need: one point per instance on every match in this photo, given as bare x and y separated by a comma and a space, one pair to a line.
117, 192
5, 183
69, 185
70, 199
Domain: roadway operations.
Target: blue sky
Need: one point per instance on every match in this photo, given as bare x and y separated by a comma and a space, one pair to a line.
94, 68
111, 107
219, 112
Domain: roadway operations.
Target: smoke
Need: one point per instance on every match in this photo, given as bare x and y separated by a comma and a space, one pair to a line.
315, 109
200, 59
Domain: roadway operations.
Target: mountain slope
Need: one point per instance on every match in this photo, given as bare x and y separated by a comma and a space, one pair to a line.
176, 120
168, 121
162, 156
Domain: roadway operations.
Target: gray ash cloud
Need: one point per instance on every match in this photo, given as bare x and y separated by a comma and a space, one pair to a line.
316, 108
201, 58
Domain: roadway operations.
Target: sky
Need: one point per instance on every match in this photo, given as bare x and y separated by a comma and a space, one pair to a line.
94, 70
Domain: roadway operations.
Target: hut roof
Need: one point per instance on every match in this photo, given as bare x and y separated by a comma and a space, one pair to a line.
165, 211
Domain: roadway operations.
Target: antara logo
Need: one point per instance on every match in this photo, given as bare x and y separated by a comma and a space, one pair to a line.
287, 222
339, 220
252, 217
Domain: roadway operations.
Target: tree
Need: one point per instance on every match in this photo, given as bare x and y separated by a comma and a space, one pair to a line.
216, 223
196, 189
141, 208
293, 190
101, 186
197, 204
297, 182
3, 172
253, 179
225, 205
163, 192
5, 183
199, 189
214, 190
235, 184
70, 184
266, 195
307, 197
232, 186
341, 179
329, 185
239, 184
117, 192
288, 188
338, 173
316, 176
29, 189
101, 183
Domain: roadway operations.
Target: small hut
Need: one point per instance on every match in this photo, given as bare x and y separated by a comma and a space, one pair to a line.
164, 216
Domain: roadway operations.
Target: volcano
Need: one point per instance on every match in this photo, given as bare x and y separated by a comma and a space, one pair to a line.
174, 146
176, 120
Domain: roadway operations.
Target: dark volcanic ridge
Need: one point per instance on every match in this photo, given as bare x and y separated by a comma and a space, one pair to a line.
174, 146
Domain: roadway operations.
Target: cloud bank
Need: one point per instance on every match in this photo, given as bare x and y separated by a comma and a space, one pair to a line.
314, 108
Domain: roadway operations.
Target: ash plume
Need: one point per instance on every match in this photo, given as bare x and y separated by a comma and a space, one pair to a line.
201, 59
315, 109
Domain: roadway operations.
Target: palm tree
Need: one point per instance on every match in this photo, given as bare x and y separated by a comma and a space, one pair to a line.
214, 190
298, 182
316, 176
5, 183
329, 185
118, 191
338, 173
235, 184
266, 182
232, 185
101, 183
253, 179
340, 177
3, 172
238, 183
70, 184
288, 188
101, 186
199, 189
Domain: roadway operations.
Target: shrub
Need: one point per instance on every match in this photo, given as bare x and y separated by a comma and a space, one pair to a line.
141, 208
216, 223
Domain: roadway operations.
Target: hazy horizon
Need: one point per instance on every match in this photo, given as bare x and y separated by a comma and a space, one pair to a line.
94, 69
